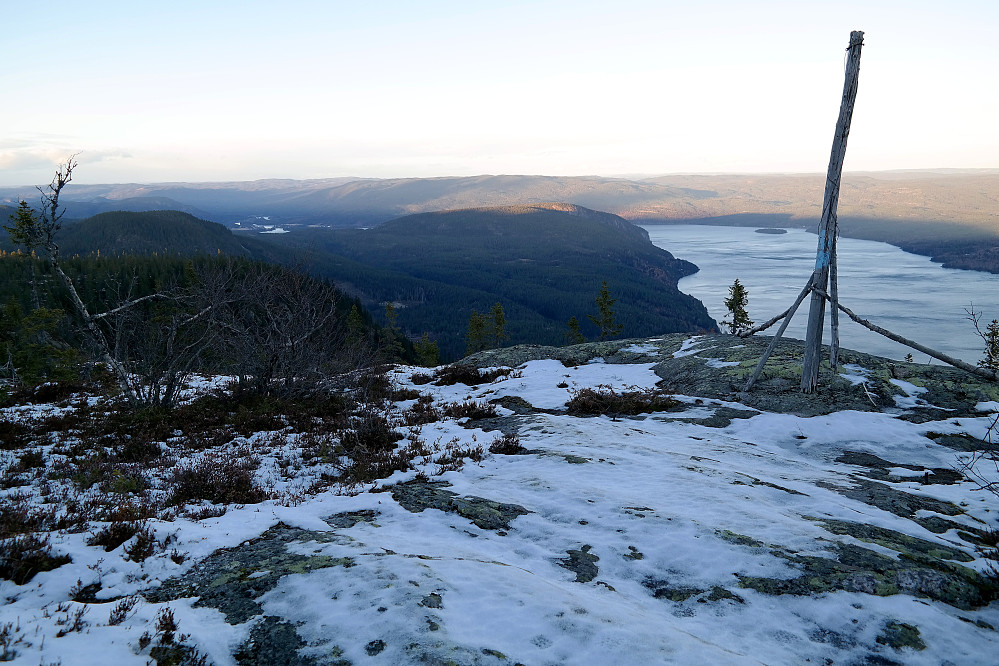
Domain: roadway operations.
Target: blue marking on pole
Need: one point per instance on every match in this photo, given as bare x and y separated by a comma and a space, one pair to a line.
822, 254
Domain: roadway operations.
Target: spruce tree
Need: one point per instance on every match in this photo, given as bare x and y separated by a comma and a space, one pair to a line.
428, 354
738, 298
605, 319
391, 345
991, 338
391, 316
499, 333
574, 336
355, 325
477, 334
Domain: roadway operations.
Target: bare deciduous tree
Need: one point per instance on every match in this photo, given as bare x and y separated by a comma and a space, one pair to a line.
283, 332
38, 230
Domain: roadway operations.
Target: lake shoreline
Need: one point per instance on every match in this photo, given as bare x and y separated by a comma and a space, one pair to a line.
904, 292
985, 243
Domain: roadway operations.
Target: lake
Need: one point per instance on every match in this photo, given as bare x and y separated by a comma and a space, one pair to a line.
902, 292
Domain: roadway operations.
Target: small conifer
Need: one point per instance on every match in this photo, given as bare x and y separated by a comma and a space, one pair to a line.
428, 354
738, 298
991, 338
605, 318
499, 333
477, 335
574, 336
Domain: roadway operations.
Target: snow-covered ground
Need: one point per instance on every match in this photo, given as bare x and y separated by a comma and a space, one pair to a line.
641, 546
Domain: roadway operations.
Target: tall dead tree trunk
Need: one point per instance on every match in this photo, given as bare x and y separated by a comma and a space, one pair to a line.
827, 225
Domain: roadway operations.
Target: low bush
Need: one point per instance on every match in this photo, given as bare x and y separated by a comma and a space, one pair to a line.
370, 431
508, 444
31, 460
13, 434
19, 515
55, 391
405, 394
122, 610
470, 409
128, 479
421, 378
142, 546
23, 556
455, 454
460, 373
218, 478
605, 400
366, 466
422, 411
113, 535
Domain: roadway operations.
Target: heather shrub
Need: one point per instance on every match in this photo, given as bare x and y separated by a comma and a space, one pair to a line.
114, 534
605, 400
470, 409
460, 373
218, 478
23, 556
508, 444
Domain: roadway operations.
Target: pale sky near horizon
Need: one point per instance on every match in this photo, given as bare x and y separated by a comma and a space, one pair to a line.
223, 90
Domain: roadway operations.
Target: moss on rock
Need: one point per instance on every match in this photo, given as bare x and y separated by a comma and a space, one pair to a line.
900, 635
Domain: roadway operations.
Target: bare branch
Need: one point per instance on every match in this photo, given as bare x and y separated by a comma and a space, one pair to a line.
127, 305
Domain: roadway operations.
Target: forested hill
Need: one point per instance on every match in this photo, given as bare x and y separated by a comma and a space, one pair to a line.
160, 232
544, 263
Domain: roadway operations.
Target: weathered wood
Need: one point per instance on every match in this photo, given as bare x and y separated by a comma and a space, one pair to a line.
765, 325
827, 224
770, 322
991, 375
833, 309
773, 343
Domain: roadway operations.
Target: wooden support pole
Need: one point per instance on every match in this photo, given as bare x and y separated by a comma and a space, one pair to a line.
827, 225
773, 343
833, 308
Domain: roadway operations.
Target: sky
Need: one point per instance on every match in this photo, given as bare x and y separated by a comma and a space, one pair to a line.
203, 91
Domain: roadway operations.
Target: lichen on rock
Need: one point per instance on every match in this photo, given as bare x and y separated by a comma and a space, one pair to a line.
418, 495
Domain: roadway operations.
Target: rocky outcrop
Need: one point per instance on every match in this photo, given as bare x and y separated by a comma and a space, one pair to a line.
717, 366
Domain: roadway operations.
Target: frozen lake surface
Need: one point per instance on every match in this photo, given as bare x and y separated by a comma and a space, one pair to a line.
905, 293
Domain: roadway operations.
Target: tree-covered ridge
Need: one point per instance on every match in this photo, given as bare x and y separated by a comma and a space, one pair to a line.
159, 231
545, 264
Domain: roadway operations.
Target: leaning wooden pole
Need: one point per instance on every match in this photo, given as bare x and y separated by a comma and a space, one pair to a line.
984, 373
833, 308
827, 225
773, 342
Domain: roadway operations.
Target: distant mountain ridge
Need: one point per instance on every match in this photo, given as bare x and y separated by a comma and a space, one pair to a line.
949, 215
967, 196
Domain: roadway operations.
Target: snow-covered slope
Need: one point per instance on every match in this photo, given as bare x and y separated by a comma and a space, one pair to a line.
713, 532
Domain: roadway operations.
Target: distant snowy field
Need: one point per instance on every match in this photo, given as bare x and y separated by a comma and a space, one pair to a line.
654, 500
